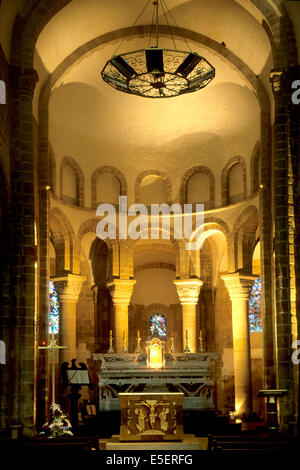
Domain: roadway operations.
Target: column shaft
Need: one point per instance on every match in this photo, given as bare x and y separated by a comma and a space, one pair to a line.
189, 325
121, 325
242, 356
121, 291
239, 288
188, 292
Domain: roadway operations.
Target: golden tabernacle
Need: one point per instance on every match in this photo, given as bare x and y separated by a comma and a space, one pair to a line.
151, 416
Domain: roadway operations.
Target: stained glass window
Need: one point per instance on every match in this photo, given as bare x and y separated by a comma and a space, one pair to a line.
158, 326
53, 309
255, 307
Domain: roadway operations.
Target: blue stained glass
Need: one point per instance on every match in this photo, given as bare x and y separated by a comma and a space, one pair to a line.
158, 326
255, 307
53, 309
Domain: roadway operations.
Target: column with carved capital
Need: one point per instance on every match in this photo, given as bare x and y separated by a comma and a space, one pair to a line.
188, 292
121, 291
239, 288
68, 288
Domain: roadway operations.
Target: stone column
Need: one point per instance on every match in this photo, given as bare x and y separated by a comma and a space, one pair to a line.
23, 254
239, 287
121, 291
68, 289
188, 292
287, 228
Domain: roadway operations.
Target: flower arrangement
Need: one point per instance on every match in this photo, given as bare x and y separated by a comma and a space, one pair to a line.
59, 424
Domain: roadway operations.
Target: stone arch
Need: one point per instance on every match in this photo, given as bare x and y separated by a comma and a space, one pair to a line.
90, 225
154, 265
64, 242
165, 178
74, 165
244, 236
52, 170
111, 171
225, 178
99, 254
255, 168
211, 224
193, 171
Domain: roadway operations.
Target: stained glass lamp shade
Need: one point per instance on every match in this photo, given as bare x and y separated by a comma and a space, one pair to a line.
156, 72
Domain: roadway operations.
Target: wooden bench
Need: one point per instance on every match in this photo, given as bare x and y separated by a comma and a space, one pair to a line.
251, 443
59, 444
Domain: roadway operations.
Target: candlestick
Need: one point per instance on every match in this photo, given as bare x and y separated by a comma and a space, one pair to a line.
186, 349
172, 348
125, 350
139, 339
201, 348
110, 349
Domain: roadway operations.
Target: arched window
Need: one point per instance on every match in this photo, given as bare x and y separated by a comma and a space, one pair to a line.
69, 185
108, 189
255, 307
53, 309
198, 189
153, 190
158, 326
236, 183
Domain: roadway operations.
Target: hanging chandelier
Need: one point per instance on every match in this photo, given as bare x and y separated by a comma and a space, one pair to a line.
156, 72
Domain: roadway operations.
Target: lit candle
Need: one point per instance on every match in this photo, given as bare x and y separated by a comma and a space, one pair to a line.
186, 334
139, 334
110, 333
200, 334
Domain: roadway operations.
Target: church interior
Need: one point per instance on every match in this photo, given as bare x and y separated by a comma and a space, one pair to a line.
217, 324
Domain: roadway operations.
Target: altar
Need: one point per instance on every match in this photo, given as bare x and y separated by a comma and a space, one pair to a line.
192, 374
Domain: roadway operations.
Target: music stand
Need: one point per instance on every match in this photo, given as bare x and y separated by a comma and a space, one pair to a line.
76, 377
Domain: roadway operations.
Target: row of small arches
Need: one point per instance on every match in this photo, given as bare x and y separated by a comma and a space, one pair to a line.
155, 187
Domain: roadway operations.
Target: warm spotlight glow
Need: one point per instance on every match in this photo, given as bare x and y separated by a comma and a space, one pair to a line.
155, 357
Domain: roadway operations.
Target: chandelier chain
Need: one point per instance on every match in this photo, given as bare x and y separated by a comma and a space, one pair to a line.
173, 18
170, 30
120, 44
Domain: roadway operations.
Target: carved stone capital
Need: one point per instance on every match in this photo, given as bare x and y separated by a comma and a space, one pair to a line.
239, 286
276, 78
282, 79
188, 290
69, 287
121, 290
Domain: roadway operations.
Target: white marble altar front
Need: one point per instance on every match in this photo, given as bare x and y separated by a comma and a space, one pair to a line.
193, 374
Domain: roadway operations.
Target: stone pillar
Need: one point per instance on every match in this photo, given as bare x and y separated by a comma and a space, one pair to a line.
23, 254
68, 289
239, 288
188, 292
121, 291
287, 229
